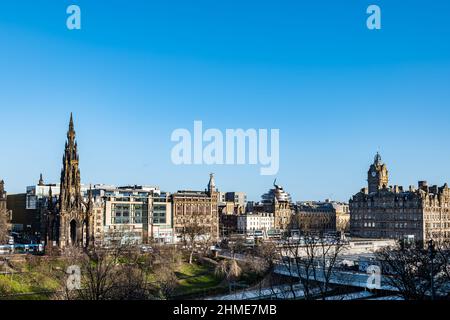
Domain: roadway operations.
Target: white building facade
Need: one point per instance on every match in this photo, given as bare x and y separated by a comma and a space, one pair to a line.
260, 221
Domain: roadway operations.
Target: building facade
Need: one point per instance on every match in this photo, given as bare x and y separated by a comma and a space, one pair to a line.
4, 212
278, 202
382, 211
321, 217
228, 224
196, 208
137, 214
238, 198
258, 221
342, 210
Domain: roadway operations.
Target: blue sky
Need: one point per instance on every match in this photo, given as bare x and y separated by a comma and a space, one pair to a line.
137, 70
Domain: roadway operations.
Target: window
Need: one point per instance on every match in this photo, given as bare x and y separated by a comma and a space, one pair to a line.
126, 213
137, 217
120, 213
159, 214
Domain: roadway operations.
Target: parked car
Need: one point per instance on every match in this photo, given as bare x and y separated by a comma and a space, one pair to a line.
146, 249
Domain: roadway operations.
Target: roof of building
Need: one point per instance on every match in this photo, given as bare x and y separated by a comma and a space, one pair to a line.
277, 193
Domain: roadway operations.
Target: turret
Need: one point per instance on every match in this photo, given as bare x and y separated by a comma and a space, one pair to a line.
377, 176
41, 180
211, 184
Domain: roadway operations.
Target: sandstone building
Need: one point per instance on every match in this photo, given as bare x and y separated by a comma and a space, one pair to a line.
321, 217
278, 202
5, 214
196, 208
382, 211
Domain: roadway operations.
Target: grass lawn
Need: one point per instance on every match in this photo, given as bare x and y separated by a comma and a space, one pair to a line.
37, 283
196, 278
23, 283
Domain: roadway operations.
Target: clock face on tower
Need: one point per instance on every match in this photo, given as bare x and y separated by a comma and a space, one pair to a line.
374, 174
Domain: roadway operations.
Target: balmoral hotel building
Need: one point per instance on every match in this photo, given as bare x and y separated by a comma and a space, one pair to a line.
382, 211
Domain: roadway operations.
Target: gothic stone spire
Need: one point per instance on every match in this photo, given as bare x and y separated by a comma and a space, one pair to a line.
70, 197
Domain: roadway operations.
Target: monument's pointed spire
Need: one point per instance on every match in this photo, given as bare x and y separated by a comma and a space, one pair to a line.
71, 122
70, 174
71, 132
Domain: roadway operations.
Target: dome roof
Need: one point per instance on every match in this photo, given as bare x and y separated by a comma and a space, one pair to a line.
276, 193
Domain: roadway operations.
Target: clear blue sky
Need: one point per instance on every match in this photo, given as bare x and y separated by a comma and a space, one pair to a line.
140, 69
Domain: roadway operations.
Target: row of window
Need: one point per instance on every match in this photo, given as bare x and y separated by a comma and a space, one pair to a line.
411, 217
438, 225
198, 221
134, 213
387, 225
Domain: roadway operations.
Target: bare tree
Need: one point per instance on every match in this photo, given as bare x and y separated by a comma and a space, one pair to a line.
166, 282
414, 271
443, 256
313, 222
230, 269
194, 234
167, 259
268, 254
4, 225
313, 262
113, 274
236, 246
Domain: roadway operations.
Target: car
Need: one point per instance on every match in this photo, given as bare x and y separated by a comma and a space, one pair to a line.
146, 249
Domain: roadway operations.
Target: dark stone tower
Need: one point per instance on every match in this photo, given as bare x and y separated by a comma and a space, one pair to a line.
70, 196
2, 196
50, 223
73, 213
41, 180
378, 175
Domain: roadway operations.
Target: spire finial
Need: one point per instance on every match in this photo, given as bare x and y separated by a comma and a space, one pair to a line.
377, 159
71, 132
71, 120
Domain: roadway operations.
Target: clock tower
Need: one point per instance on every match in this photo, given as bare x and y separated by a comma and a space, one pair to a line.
377, 177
